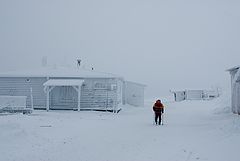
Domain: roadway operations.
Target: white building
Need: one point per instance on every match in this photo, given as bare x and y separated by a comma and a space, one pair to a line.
71, 89
194, 94
235, 89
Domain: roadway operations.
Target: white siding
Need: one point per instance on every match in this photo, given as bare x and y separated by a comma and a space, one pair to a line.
99, 94
21, 87
236, 103
134, 94
96, 93
235, 93
194, 94
120, 92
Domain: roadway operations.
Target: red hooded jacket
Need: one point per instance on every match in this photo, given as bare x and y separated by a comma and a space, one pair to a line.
158, 107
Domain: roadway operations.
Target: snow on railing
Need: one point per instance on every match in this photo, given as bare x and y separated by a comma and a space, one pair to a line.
12, 103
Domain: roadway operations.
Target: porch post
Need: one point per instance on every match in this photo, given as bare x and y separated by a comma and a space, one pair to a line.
79, 97
47, 98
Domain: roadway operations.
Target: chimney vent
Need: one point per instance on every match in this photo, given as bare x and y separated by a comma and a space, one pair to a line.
79, 62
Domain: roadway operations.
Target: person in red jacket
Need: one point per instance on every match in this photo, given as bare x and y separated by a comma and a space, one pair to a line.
158, 109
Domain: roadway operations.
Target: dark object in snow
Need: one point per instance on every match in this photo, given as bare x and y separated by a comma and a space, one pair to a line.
46, 126
24, 111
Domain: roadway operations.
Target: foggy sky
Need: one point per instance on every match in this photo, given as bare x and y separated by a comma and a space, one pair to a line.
165, 44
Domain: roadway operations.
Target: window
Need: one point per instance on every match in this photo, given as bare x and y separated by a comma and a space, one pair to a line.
100, 86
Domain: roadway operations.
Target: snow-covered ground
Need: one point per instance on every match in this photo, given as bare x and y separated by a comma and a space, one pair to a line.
192, 130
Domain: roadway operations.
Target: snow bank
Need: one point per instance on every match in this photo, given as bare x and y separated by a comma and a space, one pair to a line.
223, 103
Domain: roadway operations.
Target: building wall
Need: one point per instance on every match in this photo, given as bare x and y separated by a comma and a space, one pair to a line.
95, 93
21, 87
235, 93
194, 94
120, 92
236, 98
134, 94
100, 94
232, 92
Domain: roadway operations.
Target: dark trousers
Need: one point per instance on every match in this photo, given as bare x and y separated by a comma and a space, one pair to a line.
158, 116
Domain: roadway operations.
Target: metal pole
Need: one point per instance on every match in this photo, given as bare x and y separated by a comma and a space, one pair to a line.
31, 97
47, 98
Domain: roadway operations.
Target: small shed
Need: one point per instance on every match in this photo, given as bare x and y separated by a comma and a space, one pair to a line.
70, 89
190, 94
235, 89
133, 93
194, 94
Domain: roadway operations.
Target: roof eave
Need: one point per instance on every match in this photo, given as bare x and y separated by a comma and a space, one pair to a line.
57, 76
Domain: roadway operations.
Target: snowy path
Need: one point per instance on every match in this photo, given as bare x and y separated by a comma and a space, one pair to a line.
192, 132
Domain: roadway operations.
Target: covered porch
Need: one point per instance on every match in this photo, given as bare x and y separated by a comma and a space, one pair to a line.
52, 83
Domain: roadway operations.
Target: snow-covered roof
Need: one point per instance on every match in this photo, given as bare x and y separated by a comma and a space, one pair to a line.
59, 72
64, 82
189, 89
237, 74
136, 83
233, 68
186, 89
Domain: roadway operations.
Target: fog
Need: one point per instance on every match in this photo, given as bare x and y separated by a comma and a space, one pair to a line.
164, 44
